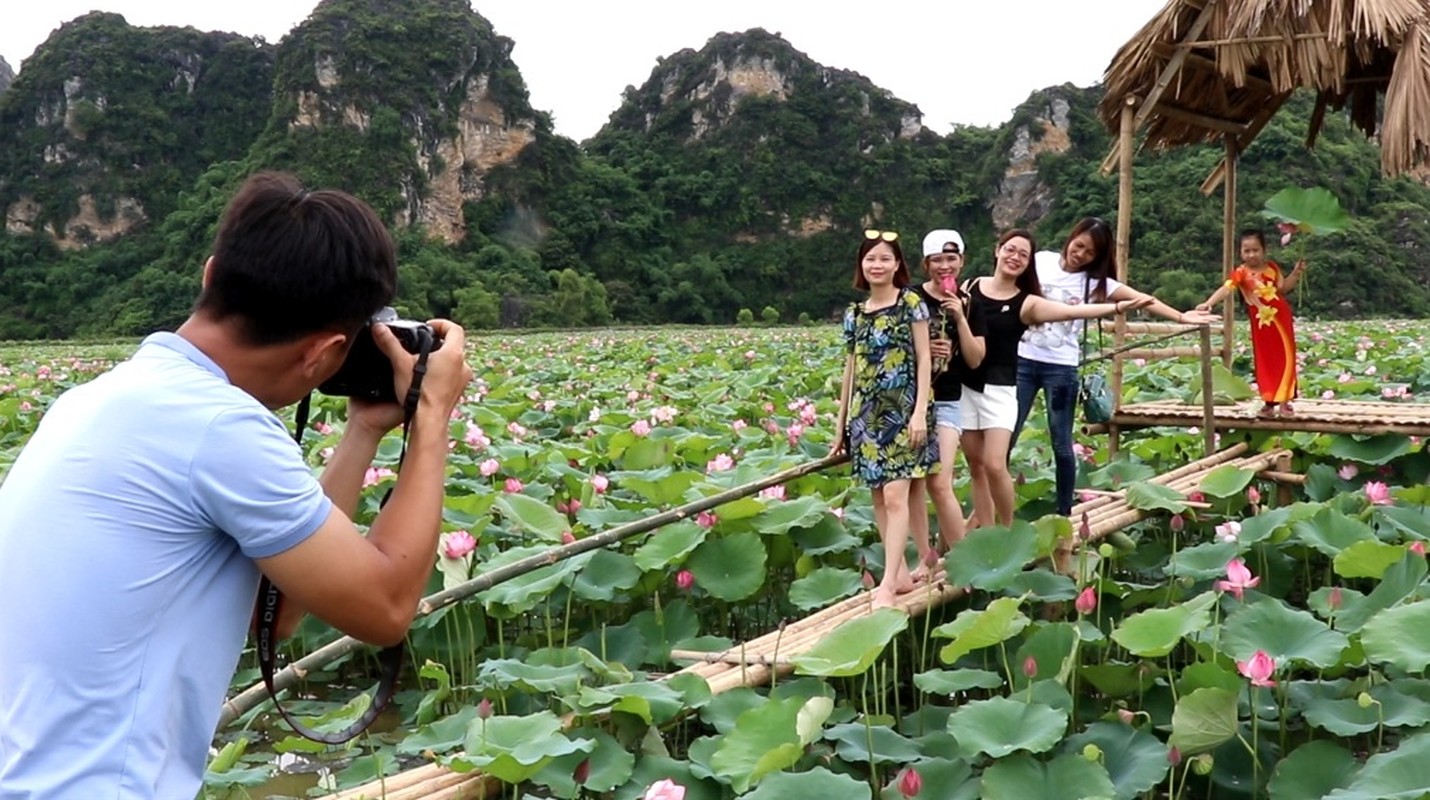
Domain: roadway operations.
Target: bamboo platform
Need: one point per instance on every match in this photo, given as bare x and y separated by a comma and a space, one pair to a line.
753, 663
1315, 416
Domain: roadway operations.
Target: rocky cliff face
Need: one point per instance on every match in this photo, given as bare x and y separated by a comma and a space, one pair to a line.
1023, 198
110, 122
430, 89
7, 75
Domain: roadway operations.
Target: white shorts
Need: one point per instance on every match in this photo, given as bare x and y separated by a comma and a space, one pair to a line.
994, 407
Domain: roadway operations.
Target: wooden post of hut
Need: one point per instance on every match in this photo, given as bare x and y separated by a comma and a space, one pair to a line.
1229, 253
1124, 247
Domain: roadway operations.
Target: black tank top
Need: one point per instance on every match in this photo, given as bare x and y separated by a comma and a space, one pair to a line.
1003, 324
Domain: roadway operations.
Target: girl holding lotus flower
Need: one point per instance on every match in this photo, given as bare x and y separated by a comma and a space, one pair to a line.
955, 339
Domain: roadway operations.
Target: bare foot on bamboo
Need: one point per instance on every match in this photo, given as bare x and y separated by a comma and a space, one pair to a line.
884, 597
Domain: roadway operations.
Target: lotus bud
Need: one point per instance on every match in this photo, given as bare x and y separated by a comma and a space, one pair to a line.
484, 709
1030, 667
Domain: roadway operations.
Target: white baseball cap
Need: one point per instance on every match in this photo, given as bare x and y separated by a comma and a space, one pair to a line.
935, 240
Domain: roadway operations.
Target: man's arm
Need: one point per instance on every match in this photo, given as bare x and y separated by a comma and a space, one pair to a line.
369, 587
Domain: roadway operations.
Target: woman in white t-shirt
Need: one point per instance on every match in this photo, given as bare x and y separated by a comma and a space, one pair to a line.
1049, 354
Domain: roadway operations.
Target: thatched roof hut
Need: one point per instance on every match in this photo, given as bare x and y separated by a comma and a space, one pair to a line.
1217, 70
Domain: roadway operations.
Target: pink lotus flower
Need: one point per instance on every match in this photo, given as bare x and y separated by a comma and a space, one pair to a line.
793, 432
489, 467
665, 789
1177, 523
720, 463
663, 413
1196, 497
809, 414
910, 783
706, 519
1328, 395
1030, 667
1229, 531
867, 579
1418, 548
640, 428
1083, 452
512, 486
567, 537
1378, 493
1348, 471
1174, 756
458, 544
1286, 228
1334, 599
1258, 669
374, 475
739, 425
582, 773
484, 708
948, 284
1239, 578
773, 493
684, 579
323, 428
1253, 495
1127, 717
600, 483
1086, 601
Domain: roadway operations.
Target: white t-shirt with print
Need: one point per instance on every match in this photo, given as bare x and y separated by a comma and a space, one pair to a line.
1059, 342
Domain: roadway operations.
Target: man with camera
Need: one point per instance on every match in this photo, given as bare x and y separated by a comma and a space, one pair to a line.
135, 523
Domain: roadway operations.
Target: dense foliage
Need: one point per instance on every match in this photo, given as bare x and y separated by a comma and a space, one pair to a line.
736, 176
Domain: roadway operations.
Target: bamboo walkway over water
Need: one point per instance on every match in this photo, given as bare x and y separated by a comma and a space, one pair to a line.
753, 663
1316, 416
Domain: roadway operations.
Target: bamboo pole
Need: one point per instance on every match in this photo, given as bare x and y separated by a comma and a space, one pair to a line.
1126, 132
1208, 392
1228, 246
1150, 327
291, 674
1155, 353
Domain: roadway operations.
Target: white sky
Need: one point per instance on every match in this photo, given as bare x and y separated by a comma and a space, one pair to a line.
959, 61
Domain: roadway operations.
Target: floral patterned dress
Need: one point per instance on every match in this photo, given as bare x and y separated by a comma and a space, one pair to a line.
884, 393
1273, 332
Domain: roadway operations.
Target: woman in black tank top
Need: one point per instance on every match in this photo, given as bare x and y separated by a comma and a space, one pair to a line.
1010, 301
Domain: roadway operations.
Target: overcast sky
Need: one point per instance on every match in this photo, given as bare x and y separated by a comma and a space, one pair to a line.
959, 61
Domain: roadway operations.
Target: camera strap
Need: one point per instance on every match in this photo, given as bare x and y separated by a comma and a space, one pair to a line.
270, 599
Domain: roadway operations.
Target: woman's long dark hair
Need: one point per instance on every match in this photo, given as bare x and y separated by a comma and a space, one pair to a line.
1104, 264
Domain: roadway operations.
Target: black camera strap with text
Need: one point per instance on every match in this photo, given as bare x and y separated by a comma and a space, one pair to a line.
270, 599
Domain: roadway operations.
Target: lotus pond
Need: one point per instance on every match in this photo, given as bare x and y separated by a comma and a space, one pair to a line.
1236, 646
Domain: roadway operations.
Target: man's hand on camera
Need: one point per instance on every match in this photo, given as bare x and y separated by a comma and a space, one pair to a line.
373, 417
447, 371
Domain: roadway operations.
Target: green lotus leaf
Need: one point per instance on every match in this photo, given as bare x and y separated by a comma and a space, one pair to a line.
514, 749
1400, 581
875, 744
1397, 636
1153, 633
828, 535
817, 782
999, 726
440, 736
731, 567
1227, 480
798, 513
1312, 211
1206, 560
823, 587
1330, 532
1312, 771
1135, 760
1283, 632
1119, 680
668, 545
766, 739
1374, 450
1043, 585
1155, 497
608, 765
1346, 717
524, 592
660, 630
533, 516
950, 681
1052, 648
607, 573
1203, 720
1402, 774
972, 630
853, 646
1367, 559
1025, 778
990, 558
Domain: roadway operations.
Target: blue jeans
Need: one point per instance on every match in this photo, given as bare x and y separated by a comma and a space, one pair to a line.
1060, 383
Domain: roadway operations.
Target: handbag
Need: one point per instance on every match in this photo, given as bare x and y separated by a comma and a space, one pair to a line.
1093, 393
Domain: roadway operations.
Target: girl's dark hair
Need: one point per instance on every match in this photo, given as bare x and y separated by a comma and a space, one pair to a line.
1252, 233
288, 262
1028, 279
1104, 262
901, 275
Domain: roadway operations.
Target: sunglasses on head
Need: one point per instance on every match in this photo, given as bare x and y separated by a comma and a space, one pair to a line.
888, 236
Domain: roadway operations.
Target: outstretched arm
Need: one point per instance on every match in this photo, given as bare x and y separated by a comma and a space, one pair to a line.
1289, 282
1037, 310
1161, 309
1217, 296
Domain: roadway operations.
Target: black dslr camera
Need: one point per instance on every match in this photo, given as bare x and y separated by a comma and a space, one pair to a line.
366, 372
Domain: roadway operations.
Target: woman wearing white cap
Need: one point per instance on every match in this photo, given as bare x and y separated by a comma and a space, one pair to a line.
1049, 354
955, 339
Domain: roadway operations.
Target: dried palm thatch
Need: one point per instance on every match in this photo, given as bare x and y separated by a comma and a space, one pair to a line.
1206, 69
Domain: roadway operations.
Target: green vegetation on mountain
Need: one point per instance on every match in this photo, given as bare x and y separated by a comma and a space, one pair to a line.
736, 176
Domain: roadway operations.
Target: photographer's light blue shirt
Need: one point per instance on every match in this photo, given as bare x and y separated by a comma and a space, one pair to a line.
128, 529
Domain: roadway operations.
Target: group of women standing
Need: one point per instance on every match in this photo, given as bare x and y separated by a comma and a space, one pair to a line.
965, 360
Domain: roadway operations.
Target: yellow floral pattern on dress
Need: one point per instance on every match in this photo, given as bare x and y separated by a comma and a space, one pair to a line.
1266, 314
